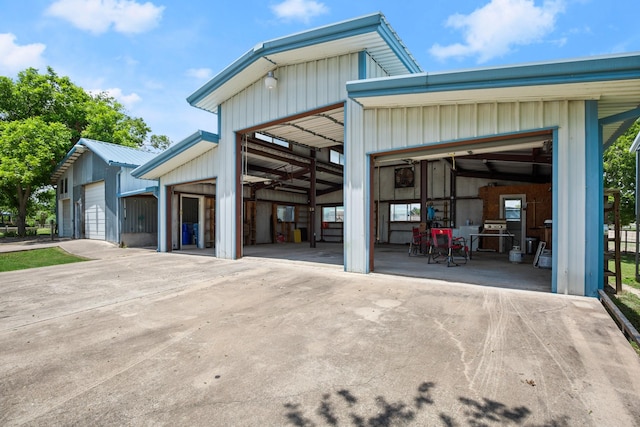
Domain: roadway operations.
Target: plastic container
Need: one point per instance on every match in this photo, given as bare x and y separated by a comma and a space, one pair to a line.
516, 255
545, 259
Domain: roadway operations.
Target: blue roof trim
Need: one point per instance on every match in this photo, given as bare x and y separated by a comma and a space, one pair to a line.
67, 157
398, 48
614, 67
176, 149
345, 29
625, 115
153, 190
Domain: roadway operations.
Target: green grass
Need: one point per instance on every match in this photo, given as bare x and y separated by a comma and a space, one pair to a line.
628, 269
36, 258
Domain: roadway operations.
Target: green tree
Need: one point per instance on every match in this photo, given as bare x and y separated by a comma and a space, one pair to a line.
620, 172
29, 151
107, 121
158, 143
34, 111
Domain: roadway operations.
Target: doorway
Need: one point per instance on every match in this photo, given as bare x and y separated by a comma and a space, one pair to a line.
512, 210
190, 233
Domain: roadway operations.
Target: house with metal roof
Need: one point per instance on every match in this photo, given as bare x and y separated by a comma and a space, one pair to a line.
336, 134
98, 198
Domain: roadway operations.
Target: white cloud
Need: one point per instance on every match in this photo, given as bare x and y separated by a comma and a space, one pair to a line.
98, 16
299, 10
493, 30
199, 73
15, 58
127, 100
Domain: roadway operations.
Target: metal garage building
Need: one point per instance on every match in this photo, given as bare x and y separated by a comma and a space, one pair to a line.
319, 125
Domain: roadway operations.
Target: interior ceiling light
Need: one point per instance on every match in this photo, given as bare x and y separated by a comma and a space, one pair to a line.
270, 82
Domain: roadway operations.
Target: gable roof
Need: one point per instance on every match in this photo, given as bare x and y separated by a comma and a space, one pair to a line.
612, 80
111, 154
188, 149
370, 33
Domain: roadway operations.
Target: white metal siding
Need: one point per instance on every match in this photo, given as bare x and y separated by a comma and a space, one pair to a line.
200, 168
94, 213
301, 87
386, 129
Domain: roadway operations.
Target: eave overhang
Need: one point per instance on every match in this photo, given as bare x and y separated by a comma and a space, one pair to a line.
614, 81
370, 33
184, 151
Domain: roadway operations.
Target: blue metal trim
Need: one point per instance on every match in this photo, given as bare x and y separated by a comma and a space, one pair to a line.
594, 215
173, 151
401, 52
554, 215
67, 157
153, 190
614, 67
362, 65
122, 165
635, 146
219, 120
624, 126
625, 115
367, 24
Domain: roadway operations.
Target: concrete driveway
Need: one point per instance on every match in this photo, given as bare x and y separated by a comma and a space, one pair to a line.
137, 337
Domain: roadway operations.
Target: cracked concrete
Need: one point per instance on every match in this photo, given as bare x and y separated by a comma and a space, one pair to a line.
136, 337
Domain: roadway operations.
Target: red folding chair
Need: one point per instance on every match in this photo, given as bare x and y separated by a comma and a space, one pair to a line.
445, 246
419, 241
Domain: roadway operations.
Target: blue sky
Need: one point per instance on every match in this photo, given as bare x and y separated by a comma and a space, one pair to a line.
151, 55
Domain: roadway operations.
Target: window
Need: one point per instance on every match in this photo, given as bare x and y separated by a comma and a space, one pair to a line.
286, 213
272, 140
409, 212
333, 214
512, 209
336, 157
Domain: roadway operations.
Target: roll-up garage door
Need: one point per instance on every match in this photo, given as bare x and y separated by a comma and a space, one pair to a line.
94, 213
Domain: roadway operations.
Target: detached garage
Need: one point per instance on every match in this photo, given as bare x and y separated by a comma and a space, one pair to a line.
98, 199
337, 131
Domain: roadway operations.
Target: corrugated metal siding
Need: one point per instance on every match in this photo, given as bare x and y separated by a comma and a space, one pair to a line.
356, 190
111, 203
387, 129
374, 70
301, 87
129, 183
202, 167
139, 214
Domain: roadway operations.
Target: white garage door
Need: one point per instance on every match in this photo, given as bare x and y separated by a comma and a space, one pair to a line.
94, 216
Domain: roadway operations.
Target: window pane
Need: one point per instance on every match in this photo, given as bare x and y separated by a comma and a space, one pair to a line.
286, 213
329, 214
512, 209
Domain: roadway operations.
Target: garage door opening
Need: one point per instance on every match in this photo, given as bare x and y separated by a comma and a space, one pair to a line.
292, 174
495, 195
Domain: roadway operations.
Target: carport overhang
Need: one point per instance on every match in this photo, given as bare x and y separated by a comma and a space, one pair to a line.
188, 149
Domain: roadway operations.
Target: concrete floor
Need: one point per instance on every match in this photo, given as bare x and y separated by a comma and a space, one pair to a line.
485, 268
136, 337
